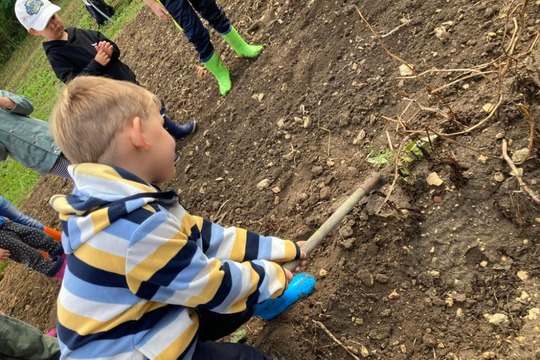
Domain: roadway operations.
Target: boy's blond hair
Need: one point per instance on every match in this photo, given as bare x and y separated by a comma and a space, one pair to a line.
92, 110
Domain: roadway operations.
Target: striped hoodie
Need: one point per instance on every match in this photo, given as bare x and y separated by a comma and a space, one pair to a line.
139, 264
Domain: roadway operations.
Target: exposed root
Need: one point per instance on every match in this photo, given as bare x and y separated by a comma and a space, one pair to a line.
532, 127
522, 184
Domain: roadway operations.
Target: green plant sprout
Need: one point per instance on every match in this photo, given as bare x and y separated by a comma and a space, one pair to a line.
379, 158
414, 151
239, 336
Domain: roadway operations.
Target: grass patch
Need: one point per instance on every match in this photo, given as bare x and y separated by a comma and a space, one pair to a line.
16, 180
3, 265
28, 73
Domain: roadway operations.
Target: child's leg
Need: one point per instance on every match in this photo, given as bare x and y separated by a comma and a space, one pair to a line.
34, 238
189, 21
211, 350
26, 255
198, 35
177, 131
214, 326
9, 210
213, 13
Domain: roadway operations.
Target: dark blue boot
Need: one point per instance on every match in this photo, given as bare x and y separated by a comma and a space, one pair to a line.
179, 131
300, 286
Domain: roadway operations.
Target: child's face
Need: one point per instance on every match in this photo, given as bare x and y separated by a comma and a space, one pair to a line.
162, 148
54, 29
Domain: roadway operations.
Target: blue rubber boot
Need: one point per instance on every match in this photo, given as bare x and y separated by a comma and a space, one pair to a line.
300, 286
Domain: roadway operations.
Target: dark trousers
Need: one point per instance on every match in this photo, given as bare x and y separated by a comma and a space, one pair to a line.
23, 243
185, 12
213, 326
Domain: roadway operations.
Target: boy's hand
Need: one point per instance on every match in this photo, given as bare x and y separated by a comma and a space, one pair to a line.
106, 47
102, 58
5, 254
303, 255
288, 276
158, 9
6, 103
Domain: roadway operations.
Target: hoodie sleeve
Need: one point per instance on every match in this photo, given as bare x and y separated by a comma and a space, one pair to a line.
166, 265
237, 244
23, 106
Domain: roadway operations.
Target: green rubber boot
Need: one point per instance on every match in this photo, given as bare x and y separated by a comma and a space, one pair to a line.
240, 47
220, 72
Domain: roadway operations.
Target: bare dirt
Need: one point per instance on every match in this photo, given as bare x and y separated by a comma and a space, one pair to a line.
415, 271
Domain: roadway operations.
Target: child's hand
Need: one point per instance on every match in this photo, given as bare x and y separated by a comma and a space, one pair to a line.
106, 47
303, 255
102, 58
6, 103
5, 254
158, 9
288, 276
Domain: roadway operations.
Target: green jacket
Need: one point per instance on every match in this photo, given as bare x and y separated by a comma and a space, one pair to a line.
20, 340
25, 139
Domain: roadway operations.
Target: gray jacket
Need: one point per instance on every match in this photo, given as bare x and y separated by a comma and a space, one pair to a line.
25, 139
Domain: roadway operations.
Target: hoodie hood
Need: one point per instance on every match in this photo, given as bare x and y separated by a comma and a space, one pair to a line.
102, 195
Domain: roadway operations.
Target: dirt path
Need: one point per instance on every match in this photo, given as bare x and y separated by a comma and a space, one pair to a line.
417, 271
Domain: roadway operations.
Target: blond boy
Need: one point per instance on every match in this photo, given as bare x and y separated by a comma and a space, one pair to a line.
145, 279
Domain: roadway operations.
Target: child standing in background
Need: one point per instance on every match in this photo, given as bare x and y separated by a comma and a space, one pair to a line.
73, 52
184, 14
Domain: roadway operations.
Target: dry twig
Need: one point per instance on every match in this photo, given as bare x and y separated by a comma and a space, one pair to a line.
397, 158
321, 325
407, 22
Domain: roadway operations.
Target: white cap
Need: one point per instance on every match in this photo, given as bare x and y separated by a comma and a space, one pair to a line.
35, 14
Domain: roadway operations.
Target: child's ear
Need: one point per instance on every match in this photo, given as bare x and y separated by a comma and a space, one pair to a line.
136, 134
33, 32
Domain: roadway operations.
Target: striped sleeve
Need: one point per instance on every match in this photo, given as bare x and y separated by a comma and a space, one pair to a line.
237, 244
165, 265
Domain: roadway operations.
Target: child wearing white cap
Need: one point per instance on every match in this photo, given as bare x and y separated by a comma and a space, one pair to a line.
73, 52
35, 14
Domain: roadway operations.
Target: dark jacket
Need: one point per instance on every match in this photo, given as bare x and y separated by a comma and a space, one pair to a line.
75, 56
